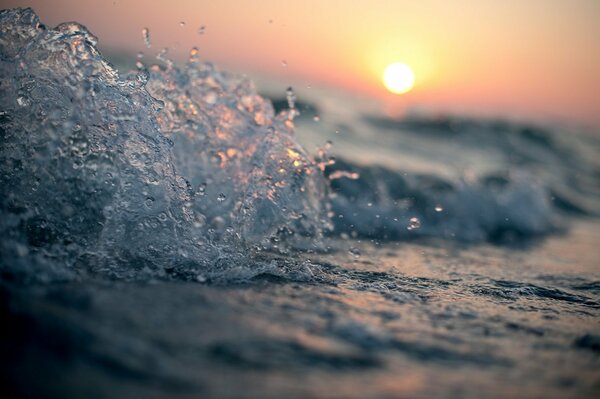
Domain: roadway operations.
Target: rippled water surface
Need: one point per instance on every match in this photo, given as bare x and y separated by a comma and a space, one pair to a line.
165, 233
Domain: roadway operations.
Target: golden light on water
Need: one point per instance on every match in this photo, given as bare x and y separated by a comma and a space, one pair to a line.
398, 78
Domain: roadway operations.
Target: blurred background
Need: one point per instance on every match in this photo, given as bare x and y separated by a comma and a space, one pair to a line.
536, 60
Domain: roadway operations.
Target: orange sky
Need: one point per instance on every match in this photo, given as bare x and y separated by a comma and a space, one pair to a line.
528, 58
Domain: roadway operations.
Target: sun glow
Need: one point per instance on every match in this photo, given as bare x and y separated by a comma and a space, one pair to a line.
398, 78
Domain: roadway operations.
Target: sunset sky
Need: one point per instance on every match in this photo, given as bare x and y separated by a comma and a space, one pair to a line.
528, 58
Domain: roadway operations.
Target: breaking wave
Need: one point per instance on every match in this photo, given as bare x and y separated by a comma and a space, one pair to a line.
186, 171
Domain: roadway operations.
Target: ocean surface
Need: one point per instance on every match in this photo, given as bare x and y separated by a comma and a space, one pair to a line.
169, 232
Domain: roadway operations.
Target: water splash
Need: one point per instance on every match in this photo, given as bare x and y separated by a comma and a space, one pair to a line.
165, 170
146, 37
413, 223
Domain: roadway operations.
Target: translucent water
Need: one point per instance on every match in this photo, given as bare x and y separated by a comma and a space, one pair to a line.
169, 167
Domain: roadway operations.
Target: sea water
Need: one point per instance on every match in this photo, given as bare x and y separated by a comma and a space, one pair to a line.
165, 233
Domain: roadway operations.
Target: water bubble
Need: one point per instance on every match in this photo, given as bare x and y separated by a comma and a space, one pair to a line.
284, 63
438, 208
182, 24
146, 36
355, 252
200, 278
222, 197
201, 189
201, 30
316, 118
413, 224
140, 55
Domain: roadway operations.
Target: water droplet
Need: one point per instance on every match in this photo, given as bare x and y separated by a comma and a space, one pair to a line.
140, 55
200, 278
284, 63
369, 204
22, 101
222, 197
316, 118
182, 24
438, 208
413, 224
201, 30
146, 36
194, 55
355, 252
291, 98
201, 189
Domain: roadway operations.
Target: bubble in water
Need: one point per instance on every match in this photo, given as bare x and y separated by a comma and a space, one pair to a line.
284, 63
22, 101
222, 197
438, 208
413, 224
201, 30
182, 24
355, 252
146, 36
316, 118
201, 189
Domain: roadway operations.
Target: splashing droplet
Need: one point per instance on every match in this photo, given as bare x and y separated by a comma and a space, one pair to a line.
194, 55
22, 101
338, 174
413, 224
291, 98
355, 252
146, 36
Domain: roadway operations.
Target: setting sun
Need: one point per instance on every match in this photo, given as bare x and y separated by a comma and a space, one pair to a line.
398, 78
